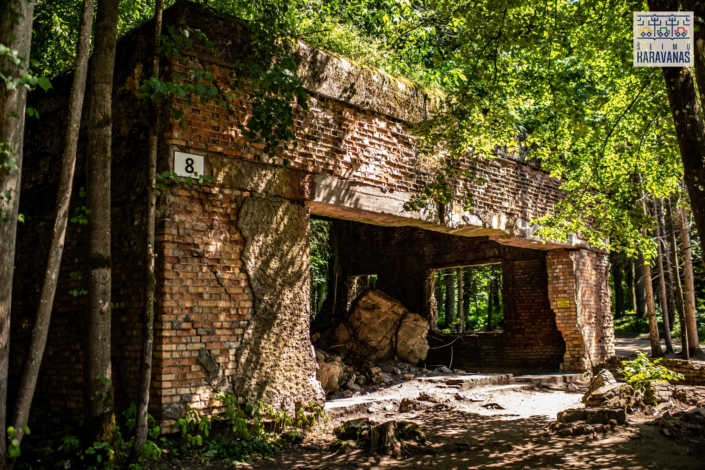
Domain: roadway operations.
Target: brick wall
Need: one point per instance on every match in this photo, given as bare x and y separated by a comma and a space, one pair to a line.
530, 341
580, 277
205, 301
693, 372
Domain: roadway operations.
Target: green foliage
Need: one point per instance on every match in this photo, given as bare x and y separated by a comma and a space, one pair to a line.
13, 444
640, 371
319, 250
319, 257
170, 178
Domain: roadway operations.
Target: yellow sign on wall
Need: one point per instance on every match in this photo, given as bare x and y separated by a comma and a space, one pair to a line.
563, 303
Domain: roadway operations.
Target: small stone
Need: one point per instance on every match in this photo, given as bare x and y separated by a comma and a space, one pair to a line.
408, 405
408, 377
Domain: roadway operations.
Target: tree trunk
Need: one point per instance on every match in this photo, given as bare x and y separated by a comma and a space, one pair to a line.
685, 109
12, 116
689, 290
450, 298
650, 307
98, 391
631, 290
640, 286
490, 301
677, 279
56, 248
662, 285
145, 381
618, 284
384, 439
440, 300
461, 309
668, 269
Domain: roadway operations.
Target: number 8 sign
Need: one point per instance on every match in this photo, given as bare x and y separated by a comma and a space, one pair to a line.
186, 164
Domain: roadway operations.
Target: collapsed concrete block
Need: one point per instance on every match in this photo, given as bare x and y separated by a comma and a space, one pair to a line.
379, 328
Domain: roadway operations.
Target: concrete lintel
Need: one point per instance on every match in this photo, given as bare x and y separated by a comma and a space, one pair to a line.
351, 200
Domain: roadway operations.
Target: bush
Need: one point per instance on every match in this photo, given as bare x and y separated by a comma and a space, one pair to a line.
640, 371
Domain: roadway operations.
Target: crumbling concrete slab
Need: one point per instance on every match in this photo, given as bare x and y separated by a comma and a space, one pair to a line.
551, 379
466, 382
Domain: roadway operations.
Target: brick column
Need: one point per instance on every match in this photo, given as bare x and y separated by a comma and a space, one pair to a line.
579, 293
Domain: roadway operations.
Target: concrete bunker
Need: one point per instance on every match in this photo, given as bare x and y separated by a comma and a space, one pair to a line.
233, 291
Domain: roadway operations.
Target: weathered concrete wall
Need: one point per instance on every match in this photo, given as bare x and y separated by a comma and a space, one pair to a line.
275, 362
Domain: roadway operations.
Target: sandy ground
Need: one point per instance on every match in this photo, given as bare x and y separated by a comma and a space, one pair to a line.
465, 435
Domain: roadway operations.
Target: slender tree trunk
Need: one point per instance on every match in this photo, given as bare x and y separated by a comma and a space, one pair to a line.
677, 279
98, 388
656, 350
450, 298
631, 288
689, 290
662, 285
440, 301
56, 248
618, 284
16, 35
640, 285
668, 269
650, 307
461, 309
142, 424
490, 302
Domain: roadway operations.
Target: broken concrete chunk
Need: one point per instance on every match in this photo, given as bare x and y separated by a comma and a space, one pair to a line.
604, 377
380, 328
356, 429
443, 370
328, 374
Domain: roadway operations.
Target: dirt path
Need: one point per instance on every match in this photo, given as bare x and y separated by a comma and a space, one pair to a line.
467, 436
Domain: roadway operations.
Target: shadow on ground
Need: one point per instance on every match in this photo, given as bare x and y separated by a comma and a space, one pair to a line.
466, 440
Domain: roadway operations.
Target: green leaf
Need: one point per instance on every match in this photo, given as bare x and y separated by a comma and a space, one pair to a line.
44, 83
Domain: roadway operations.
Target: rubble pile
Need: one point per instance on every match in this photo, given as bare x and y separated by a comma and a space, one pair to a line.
682, 425
338, 376
378, 344
604, 391
395, 438
585, 421
690, 395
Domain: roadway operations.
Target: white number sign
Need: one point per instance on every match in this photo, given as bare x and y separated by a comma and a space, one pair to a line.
186, 164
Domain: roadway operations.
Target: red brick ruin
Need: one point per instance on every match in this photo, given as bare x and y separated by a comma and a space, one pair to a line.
233, 307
